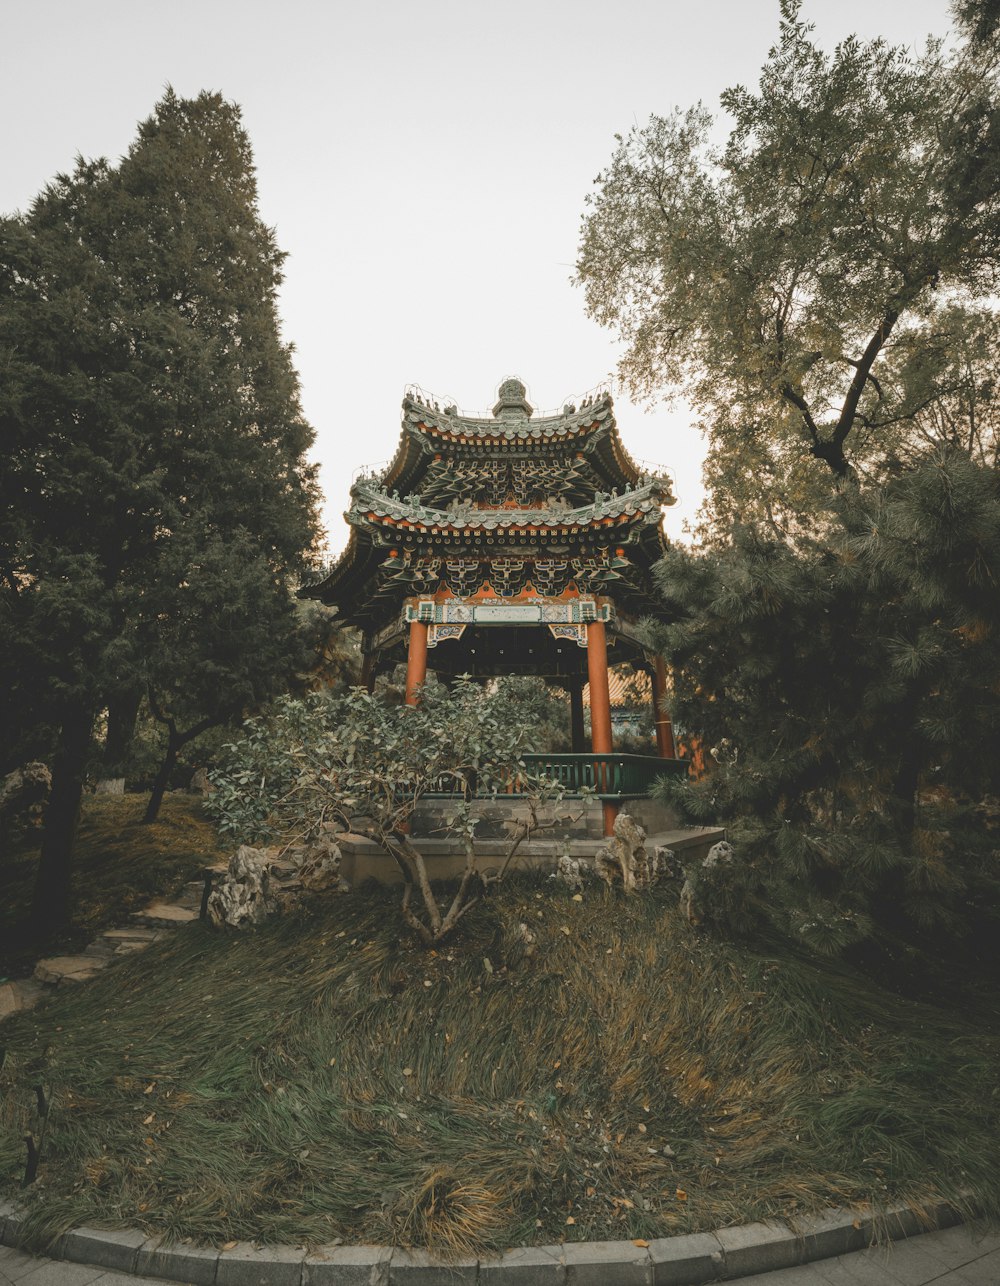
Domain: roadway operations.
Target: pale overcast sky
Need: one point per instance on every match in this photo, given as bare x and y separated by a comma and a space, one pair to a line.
425, 165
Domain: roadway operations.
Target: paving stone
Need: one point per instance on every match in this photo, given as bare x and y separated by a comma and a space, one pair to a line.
136, 933
63, 970
107, 1248
595, 1263
179, 1263
418, 1268
15, 1264
168, 913
758, 1248
524, 1266
245, 1265
347, 1266
686, 1260
50, 1272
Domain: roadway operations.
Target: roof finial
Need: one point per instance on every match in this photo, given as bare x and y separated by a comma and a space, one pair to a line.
512, 404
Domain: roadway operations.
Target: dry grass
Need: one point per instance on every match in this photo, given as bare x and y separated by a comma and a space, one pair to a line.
325, 1077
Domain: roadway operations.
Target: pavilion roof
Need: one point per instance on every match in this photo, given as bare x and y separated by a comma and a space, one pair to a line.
372, 504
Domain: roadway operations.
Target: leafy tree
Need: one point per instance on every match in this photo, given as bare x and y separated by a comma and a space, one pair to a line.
367, 760
147, 397
821, 285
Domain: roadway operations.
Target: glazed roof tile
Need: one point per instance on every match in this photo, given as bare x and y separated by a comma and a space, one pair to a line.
449, 423
370, 501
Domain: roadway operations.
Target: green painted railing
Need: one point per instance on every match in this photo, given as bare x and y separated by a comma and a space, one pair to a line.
610, 776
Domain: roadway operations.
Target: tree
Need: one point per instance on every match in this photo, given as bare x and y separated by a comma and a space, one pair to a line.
848, 690
820, 286
363, 760
147, 397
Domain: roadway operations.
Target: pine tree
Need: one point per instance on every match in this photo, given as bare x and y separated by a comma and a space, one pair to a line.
148, 396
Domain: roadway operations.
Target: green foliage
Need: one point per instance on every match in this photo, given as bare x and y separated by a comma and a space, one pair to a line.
155, 497
820, 286
359, 760
848, 690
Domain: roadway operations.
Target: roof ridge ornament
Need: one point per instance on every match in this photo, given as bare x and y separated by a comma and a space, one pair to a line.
512, 402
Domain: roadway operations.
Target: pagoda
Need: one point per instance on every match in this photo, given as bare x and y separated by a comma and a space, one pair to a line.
506, 544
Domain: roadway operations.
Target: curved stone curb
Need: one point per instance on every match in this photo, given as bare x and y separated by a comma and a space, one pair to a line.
670, 1261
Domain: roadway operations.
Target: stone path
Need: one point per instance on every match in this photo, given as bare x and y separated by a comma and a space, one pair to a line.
147, 927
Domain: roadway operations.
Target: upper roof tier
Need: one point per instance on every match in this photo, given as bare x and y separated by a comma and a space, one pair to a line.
430, 432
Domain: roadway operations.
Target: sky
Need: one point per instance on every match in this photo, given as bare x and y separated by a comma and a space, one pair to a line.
425, 165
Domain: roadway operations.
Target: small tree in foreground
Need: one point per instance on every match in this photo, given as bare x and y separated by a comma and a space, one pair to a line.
363, 762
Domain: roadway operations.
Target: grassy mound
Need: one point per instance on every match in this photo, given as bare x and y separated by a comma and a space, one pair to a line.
619, 1076
118, 865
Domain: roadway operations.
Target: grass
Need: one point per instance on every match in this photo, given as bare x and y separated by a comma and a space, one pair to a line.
621, 1076
118, 866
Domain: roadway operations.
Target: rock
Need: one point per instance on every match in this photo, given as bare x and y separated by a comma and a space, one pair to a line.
242, 897
165, 913
720, 854
667, 865
23, 788
60, 971
15, 997
570, 871
199, 784
319, 871
624, 856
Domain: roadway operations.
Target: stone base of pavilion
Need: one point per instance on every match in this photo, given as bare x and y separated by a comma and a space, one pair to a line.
582, 837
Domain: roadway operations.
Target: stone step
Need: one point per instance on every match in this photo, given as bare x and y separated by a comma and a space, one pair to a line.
15, 997
165, 913
60, 971
134, 933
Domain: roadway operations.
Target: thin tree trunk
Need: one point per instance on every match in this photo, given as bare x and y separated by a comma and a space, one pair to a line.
51, 903
174, 743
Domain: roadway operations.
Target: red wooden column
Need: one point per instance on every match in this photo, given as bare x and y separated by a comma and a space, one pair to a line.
661, 718
416, 661
600, 705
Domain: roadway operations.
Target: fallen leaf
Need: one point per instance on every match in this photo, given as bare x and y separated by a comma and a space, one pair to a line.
642, 1128
147, 1119
557, 1064
681, 1195
230, 1245
332, 1061
564, 929
571, 1219
638, 1241
407, 1071
577, 897
149, 1088
856, 1224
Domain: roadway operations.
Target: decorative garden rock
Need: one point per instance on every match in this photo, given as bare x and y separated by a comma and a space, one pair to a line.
571, 872
319, 871
242, 897
624, 857
720, 854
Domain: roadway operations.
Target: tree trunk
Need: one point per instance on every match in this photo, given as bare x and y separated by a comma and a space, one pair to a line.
174, 743
51, 902
123, 711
